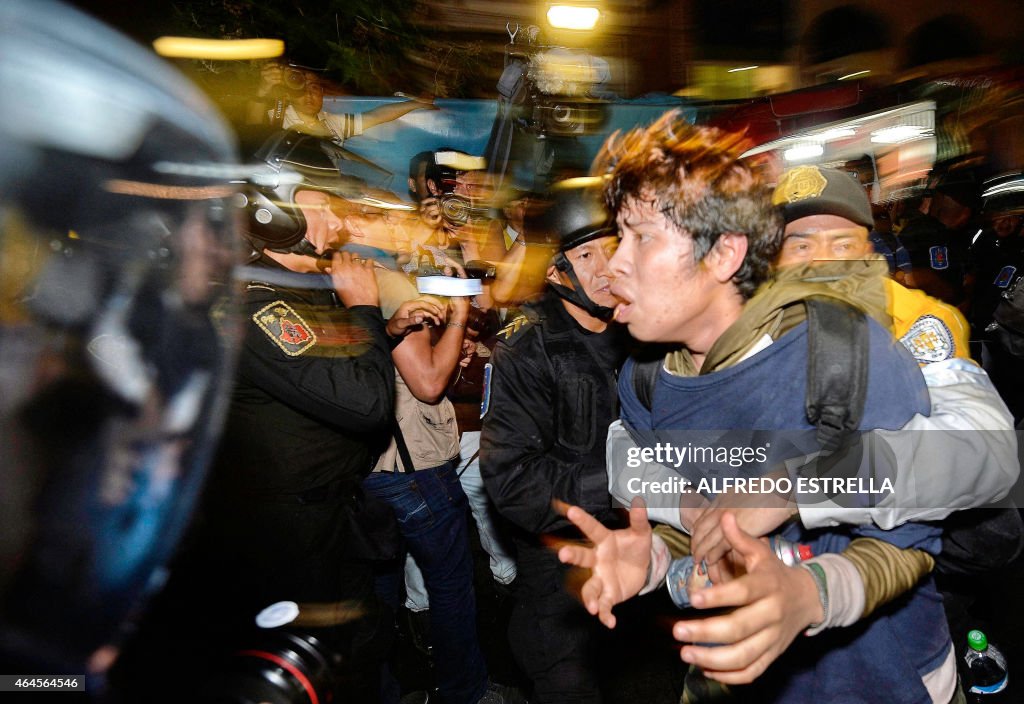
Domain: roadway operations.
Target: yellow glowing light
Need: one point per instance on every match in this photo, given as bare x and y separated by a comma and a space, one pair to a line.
573, 17
854, 74
224, 49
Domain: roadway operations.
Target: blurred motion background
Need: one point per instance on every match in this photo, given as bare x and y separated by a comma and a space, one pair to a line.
918, 98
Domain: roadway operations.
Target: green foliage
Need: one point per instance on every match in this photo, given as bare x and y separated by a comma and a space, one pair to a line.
362, 44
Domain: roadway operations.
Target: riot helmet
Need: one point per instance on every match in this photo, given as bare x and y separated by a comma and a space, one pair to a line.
573, 214
288, 162
116, 250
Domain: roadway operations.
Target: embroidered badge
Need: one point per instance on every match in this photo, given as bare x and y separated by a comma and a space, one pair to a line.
513, 327
1005, 276
285, 327
485, 402
939, 256
798, 184
929, 340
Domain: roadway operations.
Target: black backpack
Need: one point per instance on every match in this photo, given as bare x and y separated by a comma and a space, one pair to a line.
974, 541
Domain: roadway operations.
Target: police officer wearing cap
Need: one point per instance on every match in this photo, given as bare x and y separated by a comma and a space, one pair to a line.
550, 396
828, 215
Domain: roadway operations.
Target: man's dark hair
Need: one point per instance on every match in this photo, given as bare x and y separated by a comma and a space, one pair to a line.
694, 176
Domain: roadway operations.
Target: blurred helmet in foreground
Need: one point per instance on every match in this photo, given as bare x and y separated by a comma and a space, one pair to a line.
116, 244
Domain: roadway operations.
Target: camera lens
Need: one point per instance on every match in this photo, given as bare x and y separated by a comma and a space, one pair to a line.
285, 668
294, 79
455, 209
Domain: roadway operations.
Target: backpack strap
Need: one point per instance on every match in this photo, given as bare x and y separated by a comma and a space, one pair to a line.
405, 459
645, 377
837, 372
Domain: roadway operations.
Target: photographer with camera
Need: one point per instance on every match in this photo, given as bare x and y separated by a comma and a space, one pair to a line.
444, 207
296, 99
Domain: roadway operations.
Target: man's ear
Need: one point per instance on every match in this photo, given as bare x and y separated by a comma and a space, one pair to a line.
433, 188
726, 257
553, 275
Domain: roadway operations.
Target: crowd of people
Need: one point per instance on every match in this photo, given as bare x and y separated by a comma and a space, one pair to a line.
494, 402
464, 357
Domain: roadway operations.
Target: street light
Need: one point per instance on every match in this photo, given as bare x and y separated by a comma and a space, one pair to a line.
579, 17
223, 49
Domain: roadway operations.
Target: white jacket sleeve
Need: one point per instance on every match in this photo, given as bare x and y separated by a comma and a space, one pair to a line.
963, 455
630, 476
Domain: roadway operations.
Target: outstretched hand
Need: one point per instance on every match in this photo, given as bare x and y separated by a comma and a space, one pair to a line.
772, 603
618, 559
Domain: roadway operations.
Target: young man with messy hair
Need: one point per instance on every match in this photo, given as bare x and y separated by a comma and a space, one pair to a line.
698, 237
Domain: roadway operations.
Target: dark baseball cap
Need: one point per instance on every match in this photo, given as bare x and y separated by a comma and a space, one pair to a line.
813, 190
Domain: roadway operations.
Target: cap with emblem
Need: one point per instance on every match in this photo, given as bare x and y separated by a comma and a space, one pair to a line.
814, 190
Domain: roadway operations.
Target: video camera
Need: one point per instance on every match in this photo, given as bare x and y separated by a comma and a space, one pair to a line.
458, 210
557, 85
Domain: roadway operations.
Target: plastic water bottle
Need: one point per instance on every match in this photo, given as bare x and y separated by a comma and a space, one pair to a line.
681, 572
988, 673
791, 554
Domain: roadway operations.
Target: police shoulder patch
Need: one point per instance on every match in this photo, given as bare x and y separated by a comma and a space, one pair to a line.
939, 257
485, 401
1005, 276
929, 340
285, 328
515, 329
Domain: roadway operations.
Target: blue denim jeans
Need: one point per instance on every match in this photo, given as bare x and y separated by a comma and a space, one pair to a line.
496, 545
432, 512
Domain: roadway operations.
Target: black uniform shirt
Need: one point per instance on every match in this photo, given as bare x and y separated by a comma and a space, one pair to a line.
551, 398
314, 391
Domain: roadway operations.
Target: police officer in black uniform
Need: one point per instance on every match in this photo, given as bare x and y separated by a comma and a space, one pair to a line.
998, 266
309, 413
314, 389
550, 396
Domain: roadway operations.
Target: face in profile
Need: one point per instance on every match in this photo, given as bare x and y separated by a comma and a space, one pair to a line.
323, 226
371, 226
